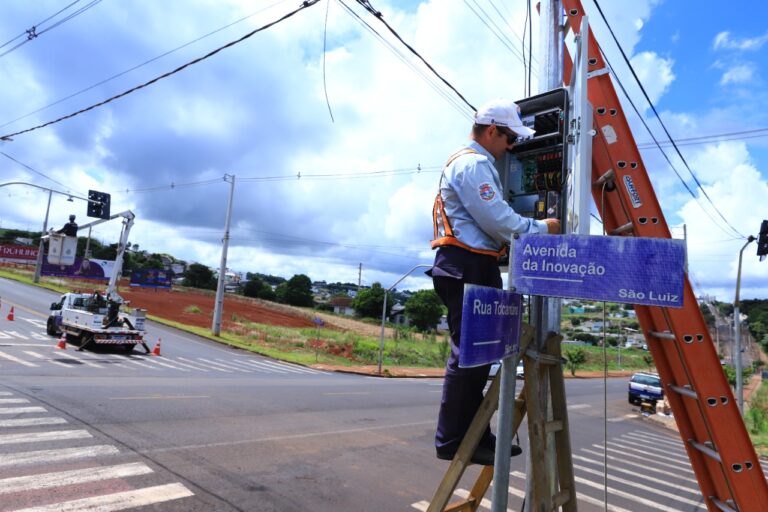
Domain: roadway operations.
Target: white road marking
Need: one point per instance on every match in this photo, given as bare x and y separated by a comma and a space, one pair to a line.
136, 360
31, 422
579, 496
622, 418
111, 357
676, 445
204, 365
154, 360
651, 451
576, 407
40, 356
252, 367
14, 401
6, 393
616, 492
485, 503
17, 335
421, 506
39, 437
228, 367
285, 367
229, 364
190, 366
78, 359
263, 367
644, 465
40, 337
21, 410
35, 322
15, 359
636, 473
679, 465
119, 501
47, 456
640, 485
72, 477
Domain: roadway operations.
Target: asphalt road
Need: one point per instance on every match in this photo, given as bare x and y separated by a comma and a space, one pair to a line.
208, 428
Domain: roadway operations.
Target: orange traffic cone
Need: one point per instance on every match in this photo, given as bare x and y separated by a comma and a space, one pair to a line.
10, 315
62, 344
156, 350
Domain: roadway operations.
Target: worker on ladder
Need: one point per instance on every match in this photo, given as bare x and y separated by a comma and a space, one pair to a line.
472, 224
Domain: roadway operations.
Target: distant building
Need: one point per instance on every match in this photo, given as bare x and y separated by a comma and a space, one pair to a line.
397, 315
342, 305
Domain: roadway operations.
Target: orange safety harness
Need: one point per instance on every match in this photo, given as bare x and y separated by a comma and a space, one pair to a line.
443, 232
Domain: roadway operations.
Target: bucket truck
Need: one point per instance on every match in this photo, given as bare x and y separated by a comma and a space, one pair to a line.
101, 319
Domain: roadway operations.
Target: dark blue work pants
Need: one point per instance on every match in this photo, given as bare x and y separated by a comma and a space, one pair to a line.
462, 387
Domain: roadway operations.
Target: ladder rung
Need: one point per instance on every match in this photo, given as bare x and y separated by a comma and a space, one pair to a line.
561, 498
706, 450
623, 229
722, 505
553, 426
662, 335
684, 390
543, 358
606, 176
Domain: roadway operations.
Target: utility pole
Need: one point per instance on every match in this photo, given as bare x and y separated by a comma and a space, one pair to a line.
41, 247
219, 305
737, 332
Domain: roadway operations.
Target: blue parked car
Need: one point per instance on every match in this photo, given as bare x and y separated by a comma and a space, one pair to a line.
645, 387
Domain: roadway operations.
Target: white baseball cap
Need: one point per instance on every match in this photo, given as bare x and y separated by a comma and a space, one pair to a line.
503, 113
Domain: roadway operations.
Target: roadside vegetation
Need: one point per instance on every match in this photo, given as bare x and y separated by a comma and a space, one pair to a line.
756, 419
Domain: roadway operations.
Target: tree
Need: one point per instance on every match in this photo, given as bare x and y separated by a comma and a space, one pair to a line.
199, 276
424, 308
370, 302
297, 291
257, 288
575, 357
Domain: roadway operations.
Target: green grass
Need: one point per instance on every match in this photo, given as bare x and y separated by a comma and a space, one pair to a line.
631, 359
756, 419
192, 309
26, 278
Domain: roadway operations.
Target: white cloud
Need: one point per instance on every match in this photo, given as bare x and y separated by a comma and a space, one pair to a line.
655, 73
723, 40
739, 74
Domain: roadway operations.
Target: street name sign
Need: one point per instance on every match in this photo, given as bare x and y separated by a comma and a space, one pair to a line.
490, 325
631, 270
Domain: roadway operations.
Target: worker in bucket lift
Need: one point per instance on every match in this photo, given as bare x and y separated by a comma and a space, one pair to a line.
472, 224
70, 228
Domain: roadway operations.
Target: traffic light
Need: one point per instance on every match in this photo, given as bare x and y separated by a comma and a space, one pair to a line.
762, 241
98, 204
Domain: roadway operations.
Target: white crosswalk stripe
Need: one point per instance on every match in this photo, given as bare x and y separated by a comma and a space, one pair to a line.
52, 361
190, 366
48, 456
26, 478
21, 410
263, 367
635, 482
120, 500
228, 367
40, 437
30, 422
252, 367
15, 359
191, 361
71, 477
79, 360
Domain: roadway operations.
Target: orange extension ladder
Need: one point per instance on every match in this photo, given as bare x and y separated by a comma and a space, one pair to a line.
721, 453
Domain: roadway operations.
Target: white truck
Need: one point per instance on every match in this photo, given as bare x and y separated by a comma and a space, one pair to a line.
87, 318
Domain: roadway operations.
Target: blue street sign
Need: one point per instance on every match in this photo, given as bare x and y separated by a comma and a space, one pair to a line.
490, 325
318, 321
633, 270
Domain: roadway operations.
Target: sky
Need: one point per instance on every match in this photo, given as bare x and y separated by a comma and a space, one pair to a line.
335, 134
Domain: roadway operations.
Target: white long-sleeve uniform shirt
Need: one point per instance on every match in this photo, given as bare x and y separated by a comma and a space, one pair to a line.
474, 202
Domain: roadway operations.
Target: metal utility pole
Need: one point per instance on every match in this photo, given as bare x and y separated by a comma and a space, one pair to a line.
219, 305
737, 332
545, 313
41, 247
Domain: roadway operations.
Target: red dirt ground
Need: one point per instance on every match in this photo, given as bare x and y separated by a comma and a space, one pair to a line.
173, 305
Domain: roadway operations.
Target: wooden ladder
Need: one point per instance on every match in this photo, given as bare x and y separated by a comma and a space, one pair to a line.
540, 369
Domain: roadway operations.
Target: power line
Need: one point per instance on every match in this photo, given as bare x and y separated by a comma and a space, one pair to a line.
658, 117
452, 100
6, 155
33, 33
368, 7
153, 59
300, 175
495, 30
716, 137
304, 5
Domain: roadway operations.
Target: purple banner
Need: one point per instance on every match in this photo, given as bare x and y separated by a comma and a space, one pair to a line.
82, 269
490, 325
151, 278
